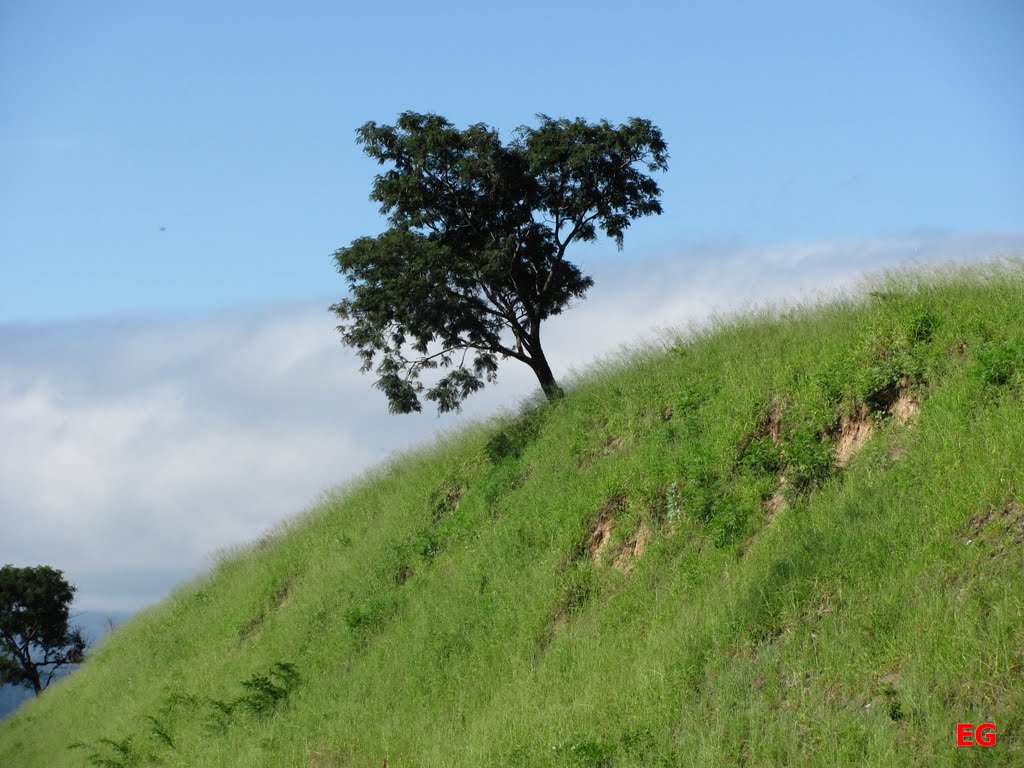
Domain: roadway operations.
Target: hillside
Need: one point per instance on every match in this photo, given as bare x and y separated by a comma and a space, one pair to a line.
94, 625
793, 538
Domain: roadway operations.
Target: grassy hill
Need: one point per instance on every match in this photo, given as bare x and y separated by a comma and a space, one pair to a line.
795, 538
94, 626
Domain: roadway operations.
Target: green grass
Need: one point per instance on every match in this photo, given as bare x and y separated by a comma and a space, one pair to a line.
450, 609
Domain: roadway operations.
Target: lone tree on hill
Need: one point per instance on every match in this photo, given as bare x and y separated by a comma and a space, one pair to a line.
35, 639
475, 258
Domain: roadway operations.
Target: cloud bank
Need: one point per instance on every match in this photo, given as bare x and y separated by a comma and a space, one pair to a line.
134, 448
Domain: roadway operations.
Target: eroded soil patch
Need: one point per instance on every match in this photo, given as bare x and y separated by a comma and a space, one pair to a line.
632, 548
851, 435
777, 501
895, 401
771, 426
600, 530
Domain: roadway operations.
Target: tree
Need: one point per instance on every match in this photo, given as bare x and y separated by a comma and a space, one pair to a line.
475, 258
35, 639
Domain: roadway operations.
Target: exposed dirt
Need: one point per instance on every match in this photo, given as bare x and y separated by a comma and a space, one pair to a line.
772, 424
850, 434
600, 536
775, 504
777, 501
906, 407
632, 548
642, 538
769, 426
893, 679
853, 432
600, 530
896, 401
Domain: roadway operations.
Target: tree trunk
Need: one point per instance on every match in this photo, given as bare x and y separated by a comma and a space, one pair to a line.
540, 366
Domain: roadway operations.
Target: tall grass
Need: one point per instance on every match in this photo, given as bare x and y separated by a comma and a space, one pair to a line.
670, 566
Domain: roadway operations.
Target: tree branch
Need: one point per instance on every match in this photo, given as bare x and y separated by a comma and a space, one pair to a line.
579, 224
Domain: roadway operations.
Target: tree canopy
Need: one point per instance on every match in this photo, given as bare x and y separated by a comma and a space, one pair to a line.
475, 258
35, 639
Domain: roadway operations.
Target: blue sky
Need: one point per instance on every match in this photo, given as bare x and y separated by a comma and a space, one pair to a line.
231, 125
174, 177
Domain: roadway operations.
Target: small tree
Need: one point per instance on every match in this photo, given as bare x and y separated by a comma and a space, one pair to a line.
475, 258
35, 639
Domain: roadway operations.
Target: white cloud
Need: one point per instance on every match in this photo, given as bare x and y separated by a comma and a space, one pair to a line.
134, 448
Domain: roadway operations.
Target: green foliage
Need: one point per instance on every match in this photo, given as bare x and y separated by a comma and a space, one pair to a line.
695, 395
763, 455
899, 345
746, 600
476, 251
122, 754
921, 326
369, 617
714, 501
808, 458
159, 729
837, 378
444, 500
495, 487
999, 361
263, 693
702, 495
578, 588
511, 440
111, 753
35, 637
589, 754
